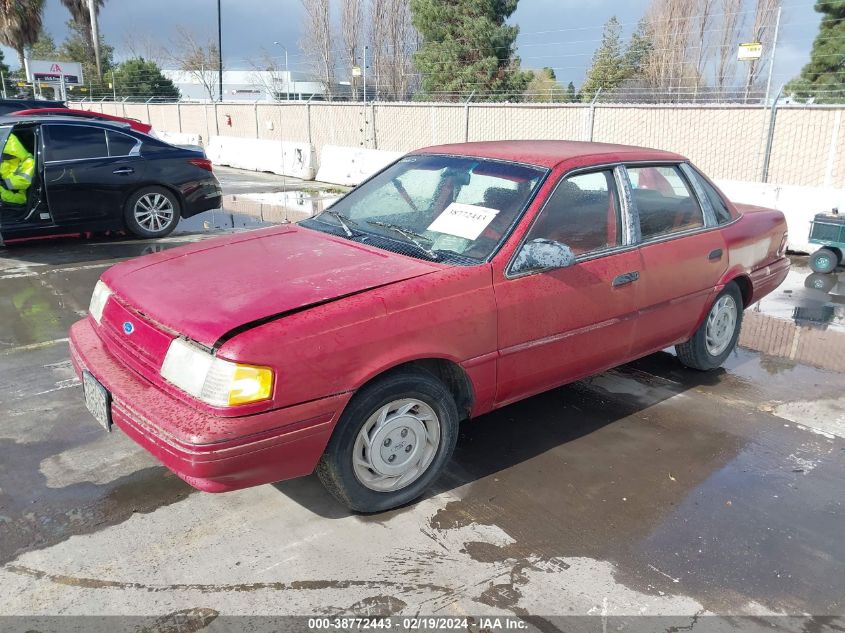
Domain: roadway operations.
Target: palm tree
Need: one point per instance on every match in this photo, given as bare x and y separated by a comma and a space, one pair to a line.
81, 16
20, 24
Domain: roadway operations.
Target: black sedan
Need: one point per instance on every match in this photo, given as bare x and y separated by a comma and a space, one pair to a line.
94, 176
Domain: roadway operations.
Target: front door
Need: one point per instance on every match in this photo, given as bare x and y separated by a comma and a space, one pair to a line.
5, 130
683, 257
88, 171
556, 326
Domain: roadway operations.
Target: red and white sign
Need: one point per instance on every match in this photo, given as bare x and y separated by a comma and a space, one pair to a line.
54, 71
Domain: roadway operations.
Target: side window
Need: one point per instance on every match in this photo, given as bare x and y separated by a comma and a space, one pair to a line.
723, 214
73, 142
664, 201
120, 144
583, 213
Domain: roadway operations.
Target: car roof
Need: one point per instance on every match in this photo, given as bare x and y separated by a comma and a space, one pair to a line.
70, 120
552, 153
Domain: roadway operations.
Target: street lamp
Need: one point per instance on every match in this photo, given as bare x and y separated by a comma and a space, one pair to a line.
287, 72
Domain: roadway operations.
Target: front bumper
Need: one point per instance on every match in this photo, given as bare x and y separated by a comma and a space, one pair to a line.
205, 450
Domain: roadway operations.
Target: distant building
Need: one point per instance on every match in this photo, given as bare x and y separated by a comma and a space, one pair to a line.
251, 85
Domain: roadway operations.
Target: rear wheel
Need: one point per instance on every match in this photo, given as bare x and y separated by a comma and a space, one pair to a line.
152, 212
824, 260
391, 443
716, 338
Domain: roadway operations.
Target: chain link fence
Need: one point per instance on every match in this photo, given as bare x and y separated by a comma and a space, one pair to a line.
787, 144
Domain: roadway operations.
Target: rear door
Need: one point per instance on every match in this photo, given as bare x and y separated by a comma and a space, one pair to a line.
683, 255
88, 171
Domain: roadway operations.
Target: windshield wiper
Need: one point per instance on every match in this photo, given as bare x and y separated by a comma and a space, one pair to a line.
408, 234
344, 220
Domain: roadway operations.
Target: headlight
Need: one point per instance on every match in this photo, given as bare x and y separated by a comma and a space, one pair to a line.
98, 300
213, 380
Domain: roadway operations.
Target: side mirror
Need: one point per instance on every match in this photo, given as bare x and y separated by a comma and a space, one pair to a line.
542, 254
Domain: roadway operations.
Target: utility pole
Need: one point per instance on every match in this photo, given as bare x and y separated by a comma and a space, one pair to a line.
219, 50
772, 58
287, 72
3, 82
113, 85
95, 35
365, 75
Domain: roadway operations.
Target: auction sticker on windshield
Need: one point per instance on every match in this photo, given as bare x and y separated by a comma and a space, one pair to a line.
463, 220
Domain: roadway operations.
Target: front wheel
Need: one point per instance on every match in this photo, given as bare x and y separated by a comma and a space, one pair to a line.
152, 212
716, 338
391, 443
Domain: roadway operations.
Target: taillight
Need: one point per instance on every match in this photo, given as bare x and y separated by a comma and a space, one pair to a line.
202, 163
783, 245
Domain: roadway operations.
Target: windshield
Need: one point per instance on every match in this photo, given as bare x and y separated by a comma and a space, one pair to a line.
450, 208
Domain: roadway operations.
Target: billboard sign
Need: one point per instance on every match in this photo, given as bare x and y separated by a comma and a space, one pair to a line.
53, 71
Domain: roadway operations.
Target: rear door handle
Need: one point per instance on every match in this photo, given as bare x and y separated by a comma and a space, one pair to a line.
626, 278
124, 170
715, 255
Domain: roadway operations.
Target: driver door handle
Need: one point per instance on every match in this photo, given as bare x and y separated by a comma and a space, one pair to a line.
626, 278
124, 170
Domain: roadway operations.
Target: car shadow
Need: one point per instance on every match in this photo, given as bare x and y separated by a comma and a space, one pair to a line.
518, 433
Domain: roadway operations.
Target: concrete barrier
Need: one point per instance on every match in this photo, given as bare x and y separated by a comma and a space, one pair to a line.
799, 205
352, 165
177, 138
278, 157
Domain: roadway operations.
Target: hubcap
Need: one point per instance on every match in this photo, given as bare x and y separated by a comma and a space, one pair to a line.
823, 261
154, 212
721, 323
396, 445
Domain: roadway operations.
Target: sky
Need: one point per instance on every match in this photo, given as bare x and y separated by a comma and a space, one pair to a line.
561, 34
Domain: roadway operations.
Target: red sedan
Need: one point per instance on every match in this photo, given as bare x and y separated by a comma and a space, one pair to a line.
458, 280
135, 124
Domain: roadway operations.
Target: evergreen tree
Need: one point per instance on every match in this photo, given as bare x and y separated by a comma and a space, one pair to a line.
639, 48
571, 95
76, 48
44, 47
821, 78
608, 69
141, 78
467, 46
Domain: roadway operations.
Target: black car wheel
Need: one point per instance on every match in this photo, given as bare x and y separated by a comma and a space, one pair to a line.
152, 212
394, 438
716, 338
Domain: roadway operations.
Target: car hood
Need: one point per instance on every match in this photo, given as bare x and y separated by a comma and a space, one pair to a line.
214, 288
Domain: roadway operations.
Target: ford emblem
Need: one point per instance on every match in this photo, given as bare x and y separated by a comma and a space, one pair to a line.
128, 327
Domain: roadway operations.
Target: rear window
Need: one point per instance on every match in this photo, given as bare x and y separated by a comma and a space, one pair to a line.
74, 142
664, 202
723, 214
120, 144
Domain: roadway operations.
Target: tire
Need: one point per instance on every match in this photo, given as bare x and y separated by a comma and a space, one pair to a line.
152, 212
823, 261
822, 282
357, 468
716, 338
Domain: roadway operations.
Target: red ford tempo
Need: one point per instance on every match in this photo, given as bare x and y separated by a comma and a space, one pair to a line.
458, 280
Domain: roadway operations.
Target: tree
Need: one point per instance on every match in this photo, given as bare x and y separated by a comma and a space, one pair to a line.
820, 79
20, 24
466, 46
729, 38
393, 40
544, 88
81, 17
44, 47
607, 70
142, 78
571, 94
351, 18
765, 14
317, 41
270, 75
639, 49
76, 48
199, 61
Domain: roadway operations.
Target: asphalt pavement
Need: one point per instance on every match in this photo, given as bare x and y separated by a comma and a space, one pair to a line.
650, 489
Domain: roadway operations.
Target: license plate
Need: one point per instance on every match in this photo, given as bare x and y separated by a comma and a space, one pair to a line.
97, 399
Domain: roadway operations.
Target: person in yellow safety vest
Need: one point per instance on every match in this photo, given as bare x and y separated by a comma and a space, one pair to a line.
17, 169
